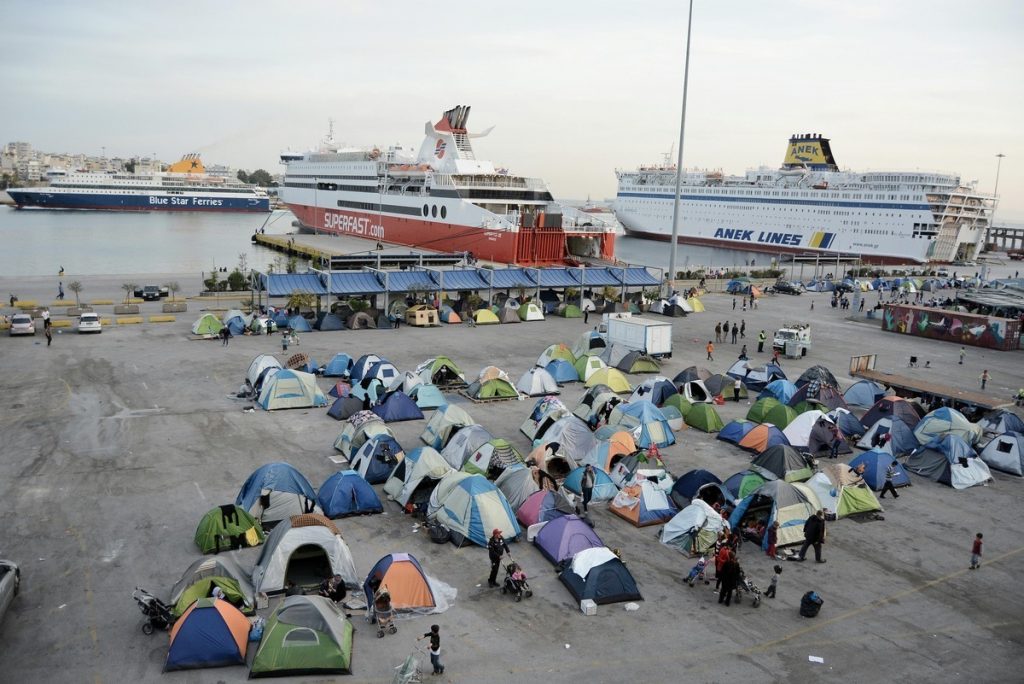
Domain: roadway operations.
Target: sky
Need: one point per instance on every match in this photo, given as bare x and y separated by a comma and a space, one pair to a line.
574, 89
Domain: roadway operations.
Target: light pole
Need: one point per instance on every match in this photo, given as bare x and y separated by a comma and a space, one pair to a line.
679, 159
995, 201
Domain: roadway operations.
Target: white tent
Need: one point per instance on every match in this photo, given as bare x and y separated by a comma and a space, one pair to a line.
572, 434
288, 547
259, 364
696, 392
291, 389
418, 465
464, 444
446, 420
1005, 452
405, 382
799, 431
695, 528
537, 382
589, 365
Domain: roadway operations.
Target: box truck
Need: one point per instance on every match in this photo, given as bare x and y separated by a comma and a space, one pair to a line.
651, 337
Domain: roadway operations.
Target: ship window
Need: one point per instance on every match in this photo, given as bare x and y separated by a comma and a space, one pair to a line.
444, 212
433, 211
426, 209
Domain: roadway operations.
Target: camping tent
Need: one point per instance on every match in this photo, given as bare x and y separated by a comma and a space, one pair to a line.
545, 412
415, 477
586, 366
553, 352
891, 407
406, 583
687, 486
448, 315
530, 312
274, 492
756, 377
507, 314
571, 433
820, 393
491, 458
864, 393
798, 432
817, 374
694, 530
464, 444
704, 417
328, 321
847, 423
1005, 452
495, 389
692, 373
655, 390
258, 366
346, 493
304, 555
589, 343
305, 635
609, 450
382, 370
299, 323
361, 321
645, 421
876, 464
777, 501
227, 527
210, 633
543, 506
743, 483
604, 488
552, 460
397, 406
441, 371
359, 428
643, 504
569, 310
207, 325
339, 366
946, 421
780, 416
762, 436
598, 574
637, 362
680, 403
901, 439
735, 430
823, 437
696, 392
782, 462
695, 304
517, 483
237, 323
949, 460
485, 317
427, 396
781, 390
761, 408
611, 377
344, 408
537, 382
562, 538
471, 507
839, 495
1001, 421
562, 371
208, 572
291, 389
446, 421
376, 458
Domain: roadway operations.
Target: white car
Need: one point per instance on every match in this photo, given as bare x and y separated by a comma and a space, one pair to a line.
22, 324
10, 581
89, 322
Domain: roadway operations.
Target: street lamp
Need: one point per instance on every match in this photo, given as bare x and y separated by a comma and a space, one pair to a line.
679, 159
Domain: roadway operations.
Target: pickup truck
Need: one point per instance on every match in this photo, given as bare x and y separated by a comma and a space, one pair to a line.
793, 339
150, 293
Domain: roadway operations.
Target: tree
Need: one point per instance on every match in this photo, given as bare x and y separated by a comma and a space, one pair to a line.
237, 281
243, 176
301, 300
173, 287
211, 282
76, 287
129, 290
261, 177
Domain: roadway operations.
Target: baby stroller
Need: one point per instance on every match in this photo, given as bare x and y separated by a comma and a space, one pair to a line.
384, 613
515, 582
745, 585
697, 572
158, 614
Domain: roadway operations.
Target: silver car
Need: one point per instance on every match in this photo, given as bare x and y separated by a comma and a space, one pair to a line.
22, 324
10, 581
89, 322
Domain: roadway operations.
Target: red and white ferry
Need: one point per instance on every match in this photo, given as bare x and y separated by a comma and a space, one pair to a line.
441, 198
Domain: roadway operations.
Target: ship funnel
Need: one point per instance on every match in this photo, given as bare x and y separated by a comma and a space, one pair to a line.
809, 150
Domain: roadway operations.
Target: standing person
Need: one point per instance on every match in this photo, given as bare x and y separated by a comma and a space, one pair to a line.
735, 332
837, 440
435, 648
770, 591
976, 552
711, 350
496, 548
49, 335
773, 539
733, 303
46, 319
284, 341
984, 378
586, 314
60, 291
814, 535
718, 331
761, 337
730, 578
812, 305
736, 386
963, 353
722, 554
587, 485
743, 329
862, 304
775, 357
890, 473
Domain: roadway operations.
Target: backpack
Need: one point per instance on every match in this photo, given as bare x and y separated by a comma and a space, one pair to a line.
810, 604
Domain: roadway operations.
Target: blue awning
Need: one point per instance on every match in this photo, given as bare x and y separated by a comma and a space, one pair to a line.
285, 284
636, 276
355, 283
411, 281
463, 279
557, 277
597, 277
505, 278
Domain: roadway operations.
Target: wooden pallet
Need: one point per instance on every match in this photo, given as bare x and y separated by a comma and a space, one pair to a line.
487, 401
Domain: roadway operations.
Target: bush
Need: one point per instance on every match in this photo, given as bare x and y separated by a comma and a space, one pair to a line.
237, 281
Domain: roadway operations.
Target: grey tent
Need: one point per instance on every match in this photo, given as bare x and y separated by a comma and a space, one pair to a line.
208, 567
329, 321
304, 555
464, 444
819, 374
509, 315
1005, 452
361, 321
782, 462
517, 483
821, 438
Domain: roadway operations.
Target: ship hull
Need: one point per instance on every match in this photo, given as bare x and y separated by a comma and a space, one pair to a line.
136, 202
527, 246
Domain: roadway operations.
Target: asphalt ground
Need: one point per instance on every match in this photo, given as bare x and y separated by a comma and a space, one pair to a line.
115, 445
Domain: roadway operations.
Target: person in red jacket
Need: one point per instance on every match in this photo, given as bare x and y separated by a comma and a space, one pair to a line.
976, 552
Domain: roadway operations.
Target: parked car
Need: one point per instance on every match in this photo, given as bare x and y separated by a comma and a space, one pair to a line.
150, 293
22, 324
89, 322
140, 292
786, 287
10, 582
844, 287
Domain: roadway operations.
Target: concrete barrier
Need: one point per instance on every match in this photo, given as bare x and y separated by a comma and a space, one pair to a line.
106, 321
60, 324
58, 304
101, 302
75, 311
175, 307
26, 304
162, 319
129, 320
126, 309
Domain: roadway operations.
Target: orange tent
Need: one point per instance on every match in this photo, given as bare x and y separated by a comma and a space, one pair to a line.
405, 581
761, 437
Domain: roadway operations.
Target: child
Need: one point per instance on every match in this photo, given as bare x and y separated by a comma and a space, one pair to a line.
976, 552
435, 648
697, 572
773, 539
770, 592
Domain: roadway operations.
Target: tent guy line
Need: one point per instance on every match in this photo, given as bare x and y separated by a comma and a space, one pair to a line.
877, 603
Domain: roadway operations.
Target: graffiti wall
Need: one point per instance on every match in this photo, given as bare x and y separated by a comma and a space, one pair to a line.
950, 326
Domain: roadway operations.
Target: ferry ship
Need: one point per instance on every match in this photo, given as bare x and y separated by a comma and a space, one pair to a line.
440, 198
185, 186
809, 206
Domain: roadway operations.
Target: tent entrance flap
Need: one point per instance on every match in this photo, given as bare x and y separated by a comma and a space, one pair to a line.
308, 566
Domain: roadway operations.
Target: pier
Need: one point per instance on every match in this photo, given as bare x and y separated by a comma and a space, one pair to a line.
1004, 238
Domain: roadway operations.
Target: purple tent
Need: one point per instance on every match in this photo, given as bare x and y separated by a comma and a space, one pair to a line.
564, 537
543, 506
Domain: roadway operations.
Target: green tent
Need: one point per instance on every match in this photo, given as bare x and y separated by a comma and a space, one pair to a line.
495, 388
635, 362
810, 405
306, 635
207, 324
853, 500
220, 524
570, 311
780, 416
679, 402
233, 594
704, 417
761, 408
744, 483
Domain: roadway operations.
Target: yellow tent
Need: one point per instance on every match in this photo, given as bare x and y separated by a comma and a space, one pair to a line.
485, 317
611, 377
695, 304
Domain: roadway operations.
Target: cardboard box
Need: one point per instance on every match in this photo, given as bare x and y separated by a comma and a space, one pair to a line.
588, 607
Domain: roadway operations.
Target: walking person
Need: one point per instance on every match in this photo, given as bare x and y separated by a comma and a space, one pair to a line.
730, 578
736, 386
49, 335
733, 303
984, 378
60, 291
587, 485
284, 341
814, 535
718, 332
743, 329
963, 353
435, 648
711, 350
890, 473
976, 552
775, 358
761, 337
812, 305
496, 548
773, 585
773, 539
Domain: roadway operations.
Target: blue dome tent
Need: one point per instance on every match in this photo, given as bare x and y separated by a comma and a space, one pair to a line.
347, 493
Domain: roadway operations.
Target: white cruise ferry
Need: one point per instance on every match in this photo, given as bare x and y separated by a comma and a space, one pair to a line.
809, 206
